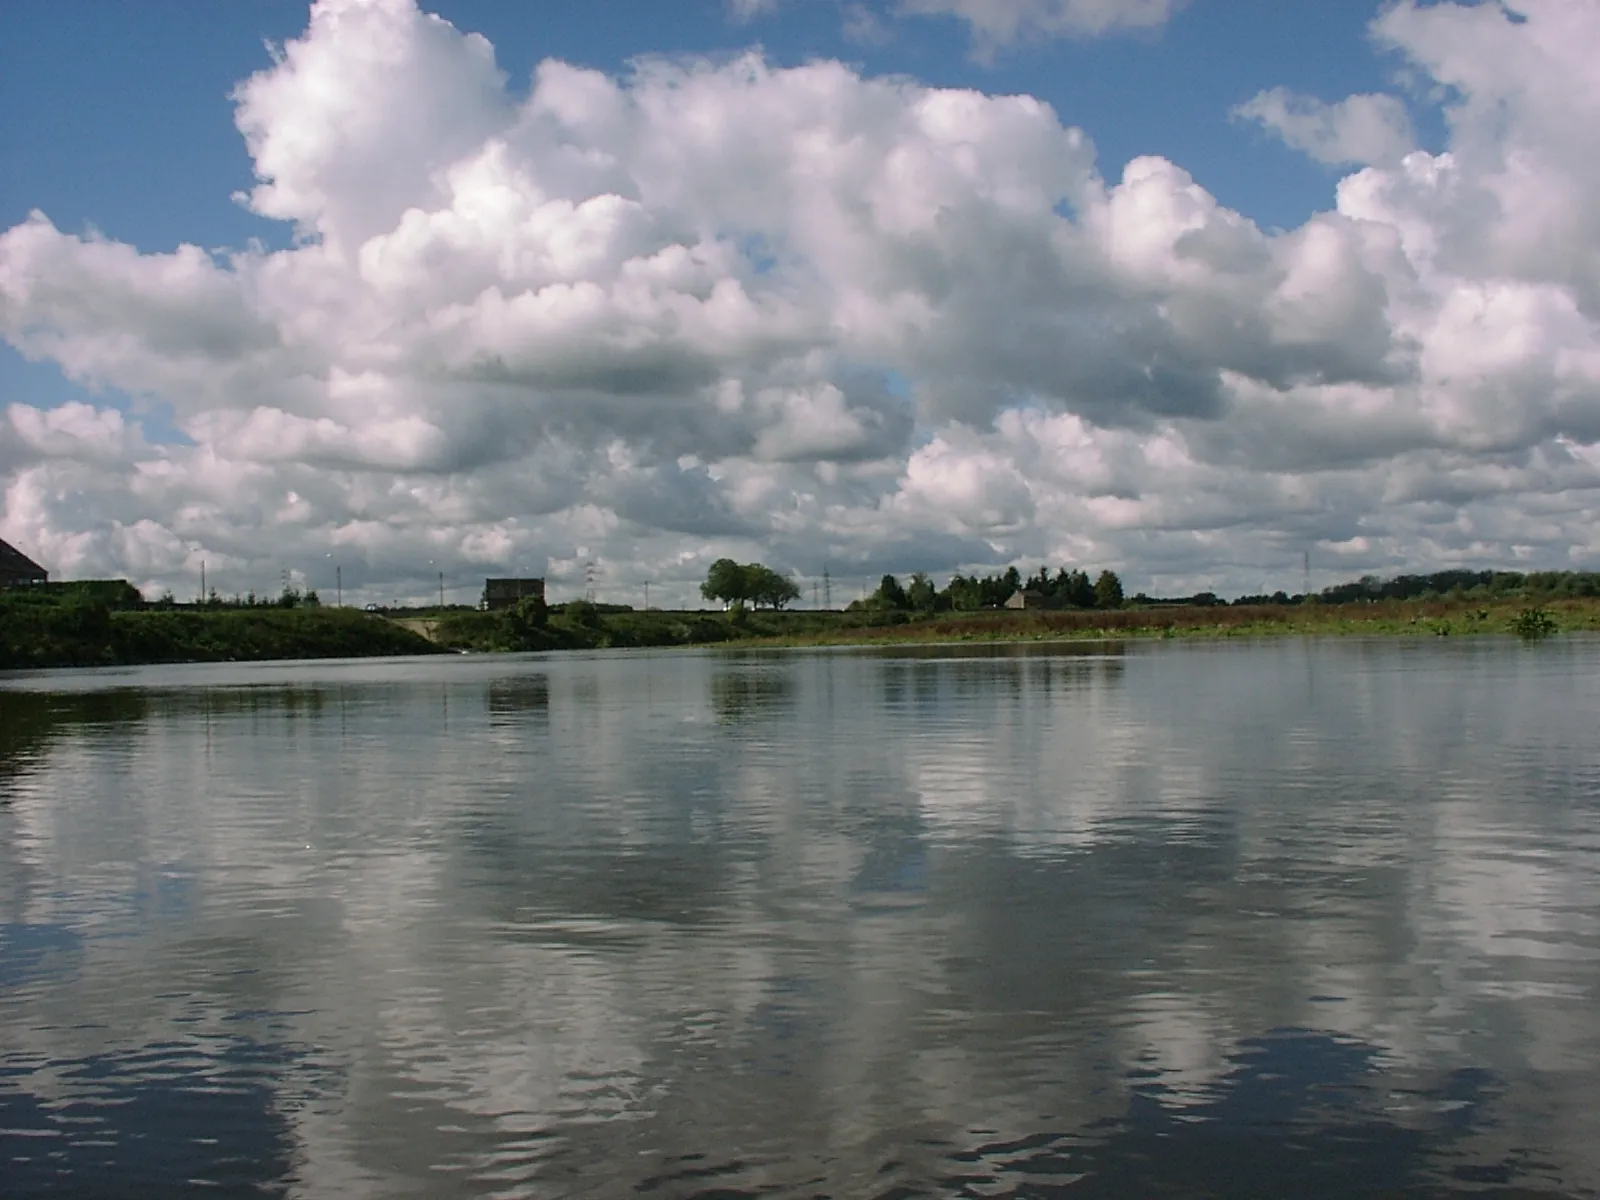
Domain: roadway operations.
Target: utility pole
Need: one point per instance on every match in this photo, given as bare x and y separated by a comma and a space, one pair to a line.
441, 589
338, 587
202, 581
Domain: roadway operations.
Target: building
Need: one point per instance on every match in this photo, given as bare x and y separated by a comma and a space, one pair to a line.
503, 593
1028, 598
18, 570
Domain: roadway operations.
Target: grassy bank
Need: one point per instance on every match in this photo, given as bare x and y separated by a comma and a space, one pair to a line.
38, 632
1410, 618
583, 627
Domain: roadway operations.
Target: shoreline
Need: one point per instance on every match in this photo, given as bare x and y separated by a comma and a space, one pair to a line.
153, 637
1403, 619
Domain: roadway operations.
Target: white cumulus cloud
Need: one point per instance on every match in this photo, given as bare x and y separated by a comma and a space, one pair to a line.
997, 23
1366, 128
814, 317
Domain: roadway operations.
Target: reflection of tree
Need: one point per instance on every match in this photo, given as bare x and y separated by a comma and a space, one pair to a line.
29, 721
928, 675
514, 700
743, 693
525, 880
1008, 651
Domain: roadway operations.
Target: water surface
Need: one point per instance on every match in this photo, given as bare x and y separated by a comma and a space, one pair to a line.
1277, 919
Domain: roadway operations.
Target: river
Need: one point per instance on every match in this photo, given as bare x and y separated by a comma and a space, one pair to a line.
1285, 918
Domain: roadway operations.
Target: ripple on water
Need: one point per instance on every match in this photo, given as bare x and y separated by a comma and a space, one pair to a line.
1309, 919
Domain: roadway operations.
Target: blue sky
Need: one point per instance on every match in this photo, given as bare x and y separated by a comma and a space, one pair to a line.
117, 115
1196, 382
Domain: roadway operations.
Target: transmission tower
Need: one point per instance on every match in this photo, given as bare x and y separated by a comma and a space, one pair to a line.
591, 572
827, 589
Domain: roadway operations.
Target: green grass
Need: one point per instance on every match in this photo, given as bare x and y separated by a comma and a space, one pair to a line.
45, 632
1440, 618
75, 634
494, 632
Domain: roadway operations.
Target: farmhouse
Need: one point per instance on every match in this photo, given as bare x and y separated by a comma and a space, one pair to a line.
18, 570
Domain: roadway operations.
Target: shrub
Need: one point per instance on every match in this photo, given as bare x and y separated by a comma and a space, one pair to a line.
1534, 623
584, 613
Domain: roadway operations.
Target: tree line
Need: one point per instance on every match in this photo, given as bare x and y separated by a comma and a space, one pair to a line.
757, 585
1458, 584
737, 584
968, 593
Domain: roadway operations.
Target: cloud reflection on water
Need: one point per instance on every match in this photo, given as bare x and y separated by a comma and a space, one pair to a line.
871, 920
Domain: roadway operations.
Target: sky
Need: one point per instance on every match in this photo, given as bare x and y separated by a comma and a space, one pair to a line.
1186, 289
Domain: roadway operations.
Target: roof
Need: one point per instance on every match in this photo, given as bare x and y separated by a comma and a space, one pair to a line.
14, 561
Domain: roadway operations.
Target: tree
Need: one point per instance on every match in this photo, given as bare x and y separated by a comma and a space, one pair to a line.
1076, 589
890, 594
580, 612
921, 595
530, 612
964, 594
523, 621
763, 585
751, 583
1108, 590
725, 581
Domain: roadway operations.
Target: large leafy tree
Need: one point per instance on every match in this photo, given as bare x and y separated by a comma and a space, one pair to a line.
766, 586
725, 581
748, 583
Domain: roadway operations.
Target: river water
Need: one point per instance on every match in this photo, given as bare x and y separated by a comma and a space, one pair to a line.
1274, 919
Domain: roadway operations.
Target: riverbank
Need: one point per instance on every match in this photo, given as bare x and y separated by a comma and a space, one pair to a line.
584, 627
37, 635
1390, 618
40, 635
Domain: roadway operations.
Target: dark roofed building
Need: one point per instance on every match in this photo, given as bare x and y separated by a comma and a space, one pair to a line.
503, 593
18, 570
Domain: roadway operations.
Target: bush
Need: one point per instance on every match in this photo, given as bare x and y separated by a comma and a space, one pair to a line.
1534, 623
583, 613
